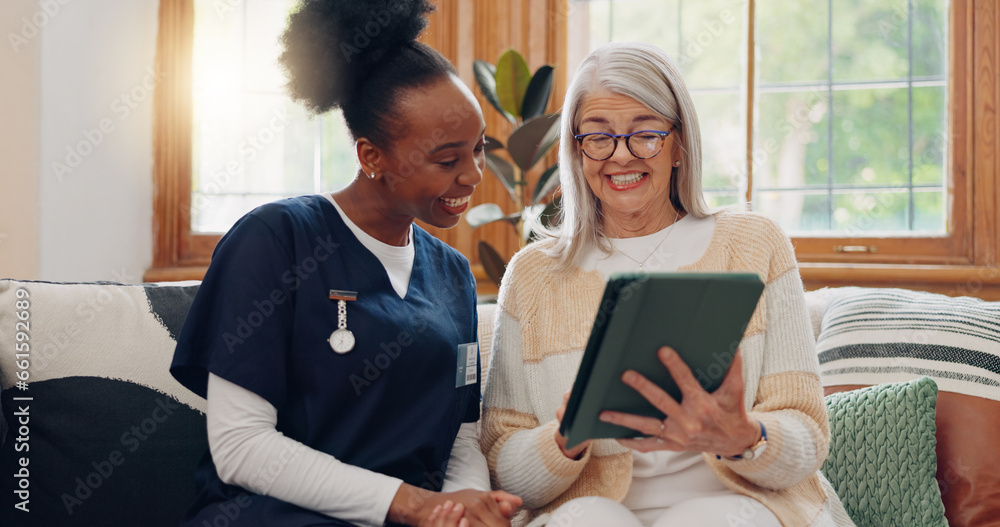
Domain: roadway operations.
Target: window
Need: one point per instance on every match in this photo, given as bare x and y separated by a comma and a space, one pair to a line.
251, 143
848, 112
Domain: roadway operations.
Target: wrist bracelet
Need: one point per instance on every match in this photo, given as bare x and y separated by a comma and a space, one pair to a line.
754, 450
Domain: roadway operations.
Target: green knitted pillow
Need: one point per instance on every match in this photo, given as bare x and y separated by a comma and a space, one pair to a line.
882, 461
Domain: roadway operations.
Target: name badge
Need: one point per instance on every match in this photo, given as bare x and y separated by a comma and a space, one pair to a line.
467, 369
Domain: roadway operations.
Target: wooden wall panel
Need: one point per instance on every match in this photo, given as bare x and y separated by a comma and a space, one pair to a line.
986, 136
465, 30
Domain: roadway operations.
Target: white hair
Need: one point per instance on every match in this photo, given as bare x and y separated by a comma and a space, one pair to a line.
645, 73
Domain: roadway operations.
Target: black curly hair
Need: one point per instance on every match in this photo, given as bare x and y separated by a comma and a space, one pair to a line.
359, 56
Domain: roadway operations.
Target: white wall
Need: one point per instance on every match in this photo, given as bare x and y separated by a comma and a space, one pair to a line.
95, 212
19, 64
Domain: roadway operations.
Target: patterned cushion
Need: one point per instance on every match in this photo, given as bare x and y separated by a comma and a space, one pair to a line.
882, 461
871, 336
112, 438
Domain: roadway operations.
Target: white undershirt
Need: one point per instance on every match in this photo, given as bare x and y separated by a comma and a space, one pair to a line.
249, 451
662, 479
398, 261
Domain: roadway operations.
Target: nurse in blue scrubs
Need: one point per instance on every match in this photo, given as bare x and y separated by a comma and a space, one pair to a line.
334, 339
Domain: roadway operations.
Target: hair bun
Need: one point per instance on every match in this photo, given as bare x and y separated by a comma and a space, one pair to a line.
330, 46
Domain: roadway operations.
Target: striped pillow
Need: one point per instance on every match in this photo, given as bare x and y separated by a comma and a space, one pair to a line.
873, 336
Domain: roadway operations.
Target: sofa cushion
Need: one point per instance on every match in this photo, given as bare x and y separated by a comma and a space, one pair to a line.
109, 436
882, 461
872, 336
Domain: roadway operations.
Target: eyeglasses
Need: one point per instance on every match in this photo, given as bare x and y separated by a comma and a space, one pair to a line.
643, 144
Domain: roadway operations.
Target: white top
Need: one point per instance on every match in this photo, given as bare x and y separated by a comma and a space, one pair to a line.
398, 261
679, 244
244, 440
662, 479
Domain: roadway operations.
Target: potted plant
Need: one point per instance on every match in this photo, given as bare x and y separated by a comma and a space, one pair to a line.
521, 98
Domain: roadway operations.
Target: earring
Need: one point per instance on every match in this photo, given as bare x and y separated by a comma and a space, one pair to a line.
677, 163
373, 175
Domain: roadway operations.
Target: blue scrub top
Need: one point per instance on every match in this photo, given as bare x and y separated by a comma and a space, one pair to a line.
262, 317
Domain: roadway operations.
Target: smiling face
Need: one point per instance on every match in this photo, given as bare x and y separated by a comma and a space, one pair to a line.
634, 193
431, 171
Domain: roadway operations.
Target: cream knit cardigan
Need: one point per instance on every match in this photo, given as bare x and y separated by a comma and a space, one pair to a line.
542, 325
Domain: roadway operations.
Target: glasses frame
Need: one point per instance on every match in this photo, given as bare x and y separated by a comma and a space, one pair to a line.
628, 144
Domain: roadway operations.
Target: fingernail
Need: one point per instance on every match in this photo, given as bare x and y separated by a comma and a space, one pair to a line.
605, 417
448, 504
629, 376
666, 352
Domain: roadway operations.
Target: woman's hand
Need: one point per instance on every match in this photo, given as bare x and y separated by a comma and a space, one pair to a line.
447, 515
702, 422
425, 508
577, 451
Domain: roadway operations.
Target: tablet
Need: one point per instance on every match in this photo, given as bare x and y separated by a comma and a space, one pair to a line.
700, 315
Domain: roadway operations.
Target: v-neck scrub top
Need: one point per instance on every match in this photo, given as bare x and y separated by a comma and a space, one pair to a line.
261, 320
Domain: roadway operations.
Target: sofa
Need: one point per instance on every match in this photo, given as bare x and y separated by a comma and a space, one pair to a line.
97, 432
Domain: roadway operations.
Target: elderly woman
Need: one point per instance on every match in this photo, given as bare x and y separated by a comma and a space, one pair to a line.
746, 454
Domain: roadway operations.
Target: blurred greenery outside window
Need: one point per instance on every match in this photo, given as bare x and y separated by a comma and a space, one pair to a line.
849, 104
251, 143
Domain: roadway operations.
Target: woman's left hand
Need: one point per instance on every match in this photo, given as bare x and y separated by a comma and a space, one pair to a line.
714, 422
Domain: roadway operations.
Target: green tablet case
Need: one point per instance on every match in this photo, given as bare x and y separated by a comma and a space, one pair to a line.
701, 315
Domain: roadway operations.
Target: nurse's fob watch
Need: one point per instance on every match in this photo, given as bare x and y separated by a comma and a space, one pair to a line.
342, 340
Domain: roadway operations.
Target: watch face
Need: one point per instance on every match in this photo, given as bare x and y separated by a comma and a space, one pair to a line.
342, 340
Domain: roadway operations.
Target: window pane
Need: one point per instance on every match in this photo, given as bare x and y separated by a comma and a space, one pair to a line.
723, 136
930, 43
723, 199
869, 136
790, 141
861, 213
217, 212
929, 209
252, 144
795, 210
712, 43
653, 21
869, 40
930, 135
791, 41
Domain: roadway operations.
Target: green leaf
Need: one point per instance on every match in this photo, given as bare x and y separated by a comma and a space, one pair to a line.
503, 171
536, 98
548, 182
512, 78
482, 214
493, 263
486, 79
492, 143
532, 140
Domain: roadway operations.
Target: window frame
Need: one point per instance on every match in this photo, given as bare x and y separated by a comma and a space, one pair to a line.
951, 248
